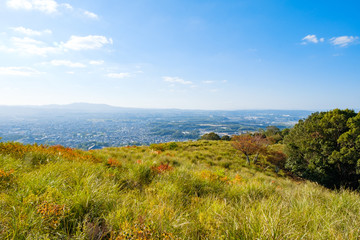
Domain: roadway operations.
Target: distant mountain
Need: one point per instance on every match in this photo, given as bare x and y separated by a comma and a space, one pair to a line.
56, 110
92, 107
86, 109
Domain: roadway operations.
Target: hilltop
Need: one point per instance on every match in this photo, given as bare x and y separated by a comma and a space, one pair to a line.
188, 190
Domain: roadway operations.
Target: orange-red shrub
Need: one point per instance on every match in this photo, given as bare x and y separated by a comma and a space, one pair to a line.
113, 162
161, 168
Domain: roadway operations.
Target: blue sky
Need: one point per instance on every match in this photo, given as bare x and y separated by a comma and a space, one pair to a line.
251, 54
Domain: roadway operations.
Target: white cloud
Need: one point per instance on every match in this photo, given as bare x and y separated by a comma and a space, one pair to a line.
67, 63
99, 62
30, 32
90, 15
67, 6
19, 4
47, 6
312, 39
19, 71
343, 41
176, 80
86, 43
118, 75
29, 46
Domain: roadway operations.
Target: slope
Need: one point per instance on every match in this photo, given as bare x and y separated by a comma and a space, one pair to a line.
190, 190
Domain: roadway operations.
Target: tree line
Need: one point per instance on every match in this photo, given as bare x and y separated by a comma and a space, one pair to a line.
324, 147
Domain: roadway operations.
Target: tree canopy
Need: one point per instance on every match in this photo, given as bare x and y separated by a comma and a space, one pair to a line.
210, 136
226, 138
325, 148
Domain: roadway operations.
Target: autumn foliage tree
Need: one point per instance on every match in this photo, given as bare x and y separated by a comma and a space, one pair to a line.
250, 145
277, 158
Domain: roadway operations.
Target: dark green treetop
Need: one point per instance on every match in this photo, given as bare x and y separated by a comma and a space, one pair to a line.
325, 148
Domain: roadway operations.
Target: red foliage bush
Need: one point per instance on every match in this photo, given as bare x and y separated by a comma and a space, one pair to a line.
113, 162
161, 168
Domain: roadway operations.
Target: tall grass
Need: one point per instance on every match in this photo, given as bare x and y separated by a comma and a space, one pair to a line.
192, 190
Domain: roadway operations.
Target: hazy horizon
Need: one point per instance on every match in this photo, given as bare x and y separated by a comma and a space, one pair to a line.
203, 55
190, 109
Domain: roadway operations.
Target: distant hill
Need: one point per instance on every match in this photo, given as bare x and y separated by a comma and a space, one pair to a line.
89, 108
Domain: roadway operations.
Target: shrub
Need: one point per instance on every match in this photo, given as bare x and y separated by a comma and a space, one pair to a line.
161, 168
210, 136
226, 138
6, 177
111, 162
173, 146
277, 158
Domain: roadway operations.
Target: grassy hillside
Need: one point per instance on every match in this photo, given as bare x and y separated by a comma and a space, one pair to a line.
192, 190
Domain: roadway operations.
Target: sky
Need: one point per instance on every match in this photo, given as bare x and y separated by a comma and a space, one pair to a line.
187, 54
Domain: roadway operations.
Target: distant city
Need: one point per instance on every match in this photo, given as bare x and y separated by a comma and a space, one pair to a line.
94, 126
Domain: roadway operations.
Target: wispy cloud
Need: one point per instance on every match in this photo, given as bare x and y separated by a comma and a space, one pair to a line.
19, 71
67, 6
343, 41
99, 62
118, 75
30, 46
30, 32
46, 6
176, 80
90, 15
86, 43
312, 39
67, 63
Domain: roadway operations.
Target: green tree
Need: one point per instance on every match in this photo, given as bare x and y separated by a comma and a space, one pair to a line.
273, 133
325, 148
272, 130
284, 132
226, 138
210, 136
